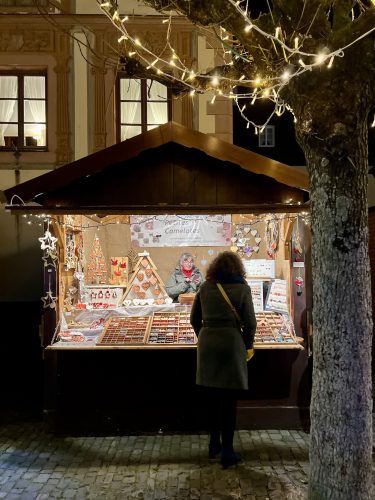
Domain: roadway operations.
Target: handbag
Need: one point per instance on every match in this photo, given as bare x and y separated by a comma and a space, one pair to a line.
249, 352
223, 293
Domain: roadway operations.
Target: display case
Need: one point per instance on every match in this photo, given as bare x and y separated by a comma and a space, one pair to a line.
91, 314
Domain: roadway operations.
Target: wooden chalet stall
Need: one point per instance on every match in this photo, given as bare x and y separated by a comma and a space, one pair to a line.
107, 368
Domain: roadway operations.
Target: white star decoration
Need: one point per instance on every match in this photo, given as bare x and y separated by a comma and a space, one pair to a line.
49, 300
48, 241
50, 258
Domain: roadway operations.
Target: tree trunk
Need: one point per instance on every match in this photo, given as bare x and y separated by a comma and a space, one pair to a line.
341, 405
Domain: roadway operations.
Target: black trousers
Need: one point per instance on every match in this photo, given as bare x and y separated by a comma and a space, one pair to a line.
222, 413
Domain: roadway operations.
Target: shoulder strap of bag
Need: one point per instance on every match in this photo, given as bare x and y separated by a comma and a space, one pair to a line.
229, 302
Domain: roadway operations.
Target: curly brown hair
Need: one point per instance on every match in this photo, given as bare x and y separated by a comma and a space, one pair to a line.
225, 265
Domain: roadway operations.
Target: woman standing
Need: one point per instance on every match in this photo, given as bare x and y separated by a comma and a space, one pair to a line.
223, 347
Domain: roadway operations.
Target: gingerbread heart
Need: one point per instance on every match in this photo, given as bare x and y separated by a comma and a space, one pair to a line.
156, 291
148, 272
160, 301
136, 288
141, 295
140, 276
153, 280
146, 285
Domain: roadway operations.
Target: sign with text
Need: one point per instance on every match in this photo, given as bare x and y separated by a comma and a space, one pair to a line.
259, 268
180, 230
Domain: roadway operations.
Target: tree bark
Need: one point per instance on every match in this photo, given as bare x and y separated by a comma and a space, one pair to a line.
341, 405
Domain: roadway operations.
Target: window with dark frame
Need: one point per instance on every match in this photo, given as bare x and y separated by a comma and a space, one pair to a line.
23, 110
143, 104
267, 137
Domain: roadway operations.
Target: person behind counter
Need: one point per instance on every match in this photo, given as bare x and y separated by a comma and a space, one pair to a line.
223, 348
186, 278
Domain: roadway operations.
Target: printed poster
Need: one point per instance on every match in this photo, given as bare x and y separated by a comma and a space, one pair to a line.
277, 299
180, 230
257, 294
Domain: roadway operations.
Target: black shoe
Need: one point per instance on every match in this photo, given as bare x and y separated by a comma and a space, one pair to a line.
228, 459
214, 449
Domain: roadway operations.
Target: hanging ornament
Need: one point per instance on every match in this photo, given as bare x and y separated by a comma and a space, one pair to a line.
242, 235
299, 284
48, 241
272, 236
50, 258
248, 250
297, 247
49, 300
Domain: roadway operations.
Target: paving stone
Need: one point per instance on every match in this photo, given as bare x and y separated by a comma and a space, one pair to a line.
35, 465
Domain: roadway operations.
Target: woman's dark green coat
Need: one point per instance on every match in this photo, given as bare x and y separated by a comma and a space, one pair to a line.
221, 350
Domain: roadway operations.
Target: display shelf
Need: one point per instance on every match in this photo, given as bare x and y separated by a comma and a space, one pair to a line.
171, 328
274, 329
186, 333
125, 330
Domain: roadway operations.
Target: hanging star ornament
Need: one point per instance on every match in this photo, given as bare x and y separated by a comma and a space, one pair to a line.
50, 258
48, 241
49, 300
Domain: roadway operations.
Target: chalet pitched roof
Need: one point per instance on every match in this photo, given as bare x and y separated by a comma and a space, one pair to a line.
168, 137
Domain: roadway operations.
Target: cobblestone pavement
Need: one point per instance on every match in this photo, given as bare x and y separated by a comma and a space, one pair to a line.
37, 465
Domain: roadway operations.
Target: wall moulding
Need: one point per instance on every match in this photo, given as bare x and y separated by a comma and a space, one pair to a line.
23, 40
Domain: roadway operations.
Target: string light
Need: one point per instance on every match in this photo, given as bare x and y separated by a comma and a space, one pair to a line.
320, 58
307, 60
38, 220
